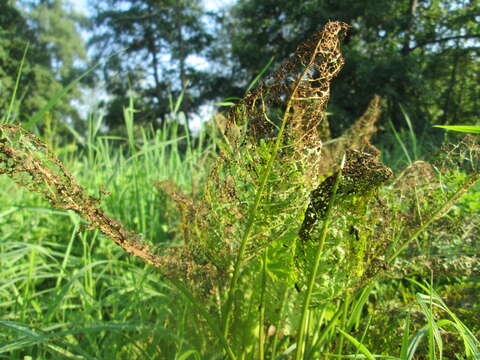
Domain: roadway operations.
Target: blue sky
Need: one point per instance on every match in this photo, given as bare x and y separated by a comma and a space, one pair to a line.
81, 6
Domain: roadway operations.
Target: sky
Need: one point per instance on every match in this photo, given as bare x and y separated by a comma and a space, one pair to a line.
210, 5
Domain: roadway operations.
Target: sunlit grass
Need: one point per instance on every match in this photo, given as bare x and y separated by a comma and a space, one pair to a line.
68, 291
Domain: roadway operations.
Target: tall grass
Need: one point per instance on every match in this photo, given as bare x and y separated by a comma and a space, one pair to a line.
68, 292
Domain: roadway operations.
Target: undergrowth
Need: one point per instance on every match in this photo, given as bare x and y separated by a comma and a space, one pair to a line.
290, 245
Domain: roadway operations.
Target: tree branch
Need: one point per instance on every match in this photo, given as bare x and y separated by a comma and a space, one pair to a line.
436, 41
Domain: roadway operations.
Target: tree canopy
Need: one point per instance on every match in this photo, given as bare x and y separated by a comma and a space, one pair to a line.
55, 47
157, 42
419, 54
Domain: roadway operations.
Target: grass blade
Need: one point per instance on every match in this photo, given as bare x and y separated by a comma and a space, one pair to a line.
359, 346
461, 128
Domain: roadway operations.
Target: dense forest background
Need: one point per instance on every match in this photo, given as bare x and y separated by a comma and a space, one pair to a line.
420, 56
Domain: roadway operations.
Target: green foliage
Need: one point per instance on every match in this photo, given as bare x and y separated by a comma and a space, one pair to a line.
256, 232
147, 35
54, 47
429, 305
232, 256
419, 54
461, 128
73, 292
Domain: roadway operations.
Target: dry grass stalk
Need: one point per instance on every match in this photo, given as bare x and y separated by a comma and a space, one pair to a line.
30, 163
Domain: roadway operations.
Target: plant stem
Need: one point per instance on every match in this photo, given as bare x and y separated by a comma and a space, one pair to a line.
252, 212
178, 284
249, 227
316, 263
328, 328
277, 325
346, 304
261, 320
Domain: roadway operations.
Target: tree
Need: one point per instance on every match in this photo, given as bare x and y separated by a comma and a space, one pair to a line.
421, 54
54, 49
157, 42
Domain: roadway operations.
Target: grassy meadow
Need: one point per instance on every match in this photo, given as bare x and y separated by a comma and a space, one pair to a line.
250, 254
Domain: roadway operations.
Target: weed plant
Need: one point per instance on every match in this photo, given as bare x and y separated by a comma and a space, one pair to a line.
265, 240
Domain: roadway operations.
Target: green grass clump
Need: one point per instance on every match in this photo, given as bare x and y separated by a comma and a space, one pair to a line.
66, 290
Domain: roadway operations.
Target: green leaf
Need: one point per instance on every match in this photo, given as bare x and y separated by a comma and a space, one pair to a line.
260, 74
55, 99
474, 129
406, 334
358, 345
17, 82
